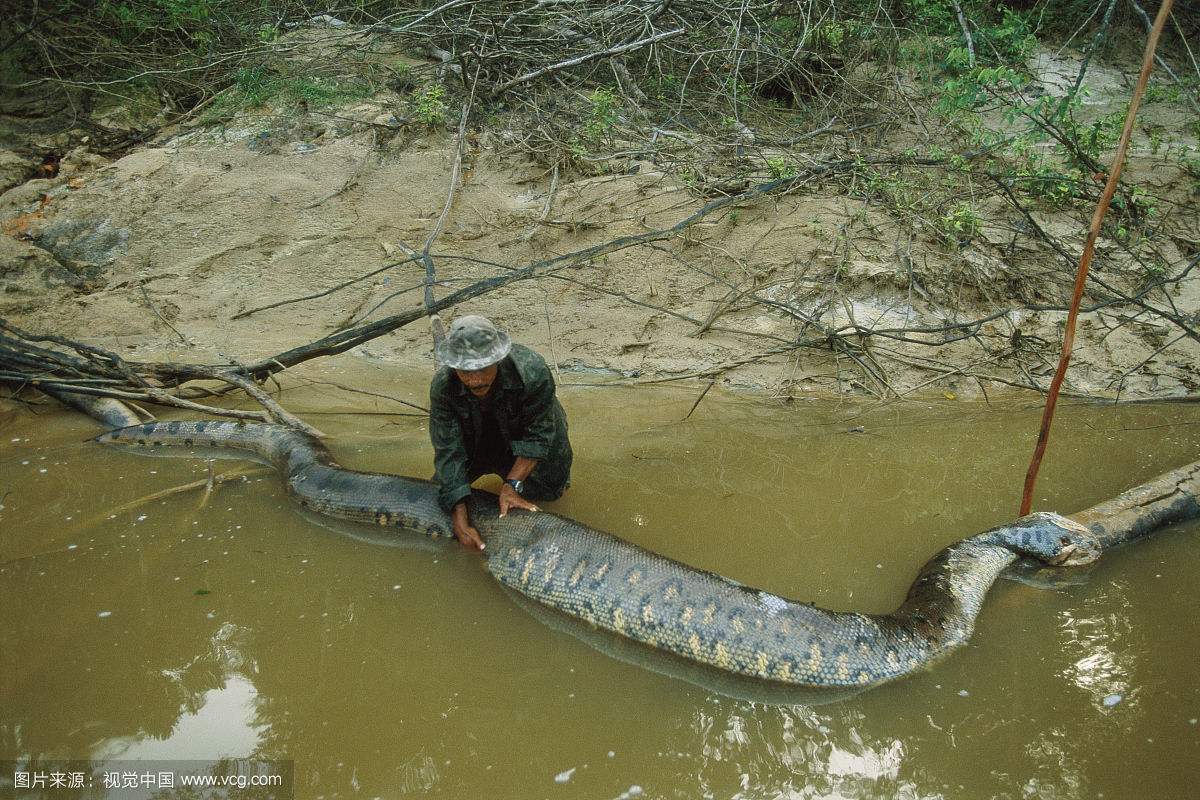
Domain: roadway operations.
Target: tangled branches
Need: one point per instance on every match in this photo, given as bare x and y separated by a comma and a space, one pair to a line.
665, 52
59, 365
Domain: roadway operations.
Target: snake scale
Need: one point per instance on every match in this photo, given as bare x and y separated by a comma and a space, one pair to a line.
697, 615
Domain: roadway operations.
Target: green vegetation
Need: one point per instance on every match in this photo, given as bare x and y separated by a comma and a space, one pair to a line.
720, 101
781, 167
429, 105
602, 115
960, 223
256, 87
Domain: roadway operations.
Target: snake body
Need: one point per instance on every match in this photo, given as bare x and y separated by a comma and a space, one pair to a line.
697, 615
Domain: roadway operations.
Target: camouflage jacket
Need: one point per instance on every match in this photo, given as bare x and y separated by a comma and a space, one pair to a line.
531, 421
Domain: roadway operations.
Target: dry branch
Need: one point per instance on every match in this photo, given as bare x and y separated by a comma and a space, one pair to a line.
575, 62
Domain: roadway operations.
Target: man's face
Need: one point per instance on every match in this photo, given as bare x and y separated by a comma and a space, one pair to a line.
479, 381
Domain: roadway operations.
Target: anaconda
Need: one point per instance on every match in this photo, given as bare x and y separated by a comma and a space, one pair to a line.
697, 615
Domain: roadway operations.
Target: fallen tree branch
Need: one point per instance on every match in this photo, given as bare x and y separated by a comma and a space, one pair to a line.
328, 291
574, 62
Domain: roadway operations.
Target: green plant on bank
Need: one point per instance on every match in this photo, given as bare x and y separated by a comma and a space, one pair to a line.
576, 150
195, 23
1134, 215
663, 87
156, 14
1154, 268
602, 114
254, 87
781, 167
830, 35
689, 178
399, 76
429, 105
971, 90
1191, 165
1156, 138
1158, 93
1045, 182
1138, 203
1047, 152
898, 194
1041, 147
1007, 40
960, 223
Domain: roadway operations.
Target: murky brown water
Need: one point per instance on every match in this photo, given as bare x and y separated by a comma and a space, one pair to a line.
172, 631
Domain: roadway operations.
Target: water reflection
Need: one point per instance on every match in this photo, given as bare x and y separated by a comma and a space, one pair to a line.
1104, 650
218, 715
798, 753
390, 672
223, 726
1056, 759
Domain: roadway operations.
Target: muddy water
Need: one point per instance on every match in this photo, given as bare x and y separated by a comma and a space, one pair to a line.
164, 629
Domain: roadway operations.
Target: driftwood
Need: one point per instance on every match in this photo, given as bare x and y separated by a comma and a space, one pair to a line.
1170, 498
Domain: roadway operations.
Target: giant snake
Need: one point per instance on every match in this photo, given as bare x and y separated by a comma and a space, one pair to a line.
696, 615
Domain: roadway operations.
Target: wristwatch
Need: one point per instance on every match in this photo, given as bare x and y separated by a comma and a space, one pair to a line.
518, 486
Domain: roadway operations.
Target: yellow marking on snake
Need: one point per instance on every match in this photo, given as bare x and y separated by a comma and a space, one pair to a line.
722, 656
600, 573
864, 678
739, 626
686, 616
843, 667
709, 613
892, 660
528, 567
670, 593
551, 563
694, 643
648, 614
784, 671
763, 663
634, 577
619, 619
814, 657
578, 573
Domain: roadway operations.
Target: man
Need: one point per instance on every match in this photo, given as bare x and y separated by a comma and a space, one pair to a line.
492, 409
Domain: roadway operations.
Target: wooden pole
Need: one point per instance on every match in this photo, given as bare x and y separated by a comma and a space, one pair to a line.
1089, 247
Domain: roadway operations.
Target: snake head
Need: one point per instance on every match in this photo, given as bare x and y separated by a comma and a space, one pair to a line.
1051, 538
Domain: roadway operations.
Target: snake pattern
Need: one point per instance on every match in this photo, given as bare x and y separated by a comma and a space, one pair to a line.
697, 615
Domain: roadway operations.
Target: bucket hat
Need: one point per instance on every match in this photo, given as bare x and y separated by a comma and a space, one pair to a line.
473, 343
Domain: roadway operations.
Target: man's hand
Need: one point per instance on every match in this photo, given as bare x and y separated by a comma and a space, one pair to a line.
510, 499
464, 531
